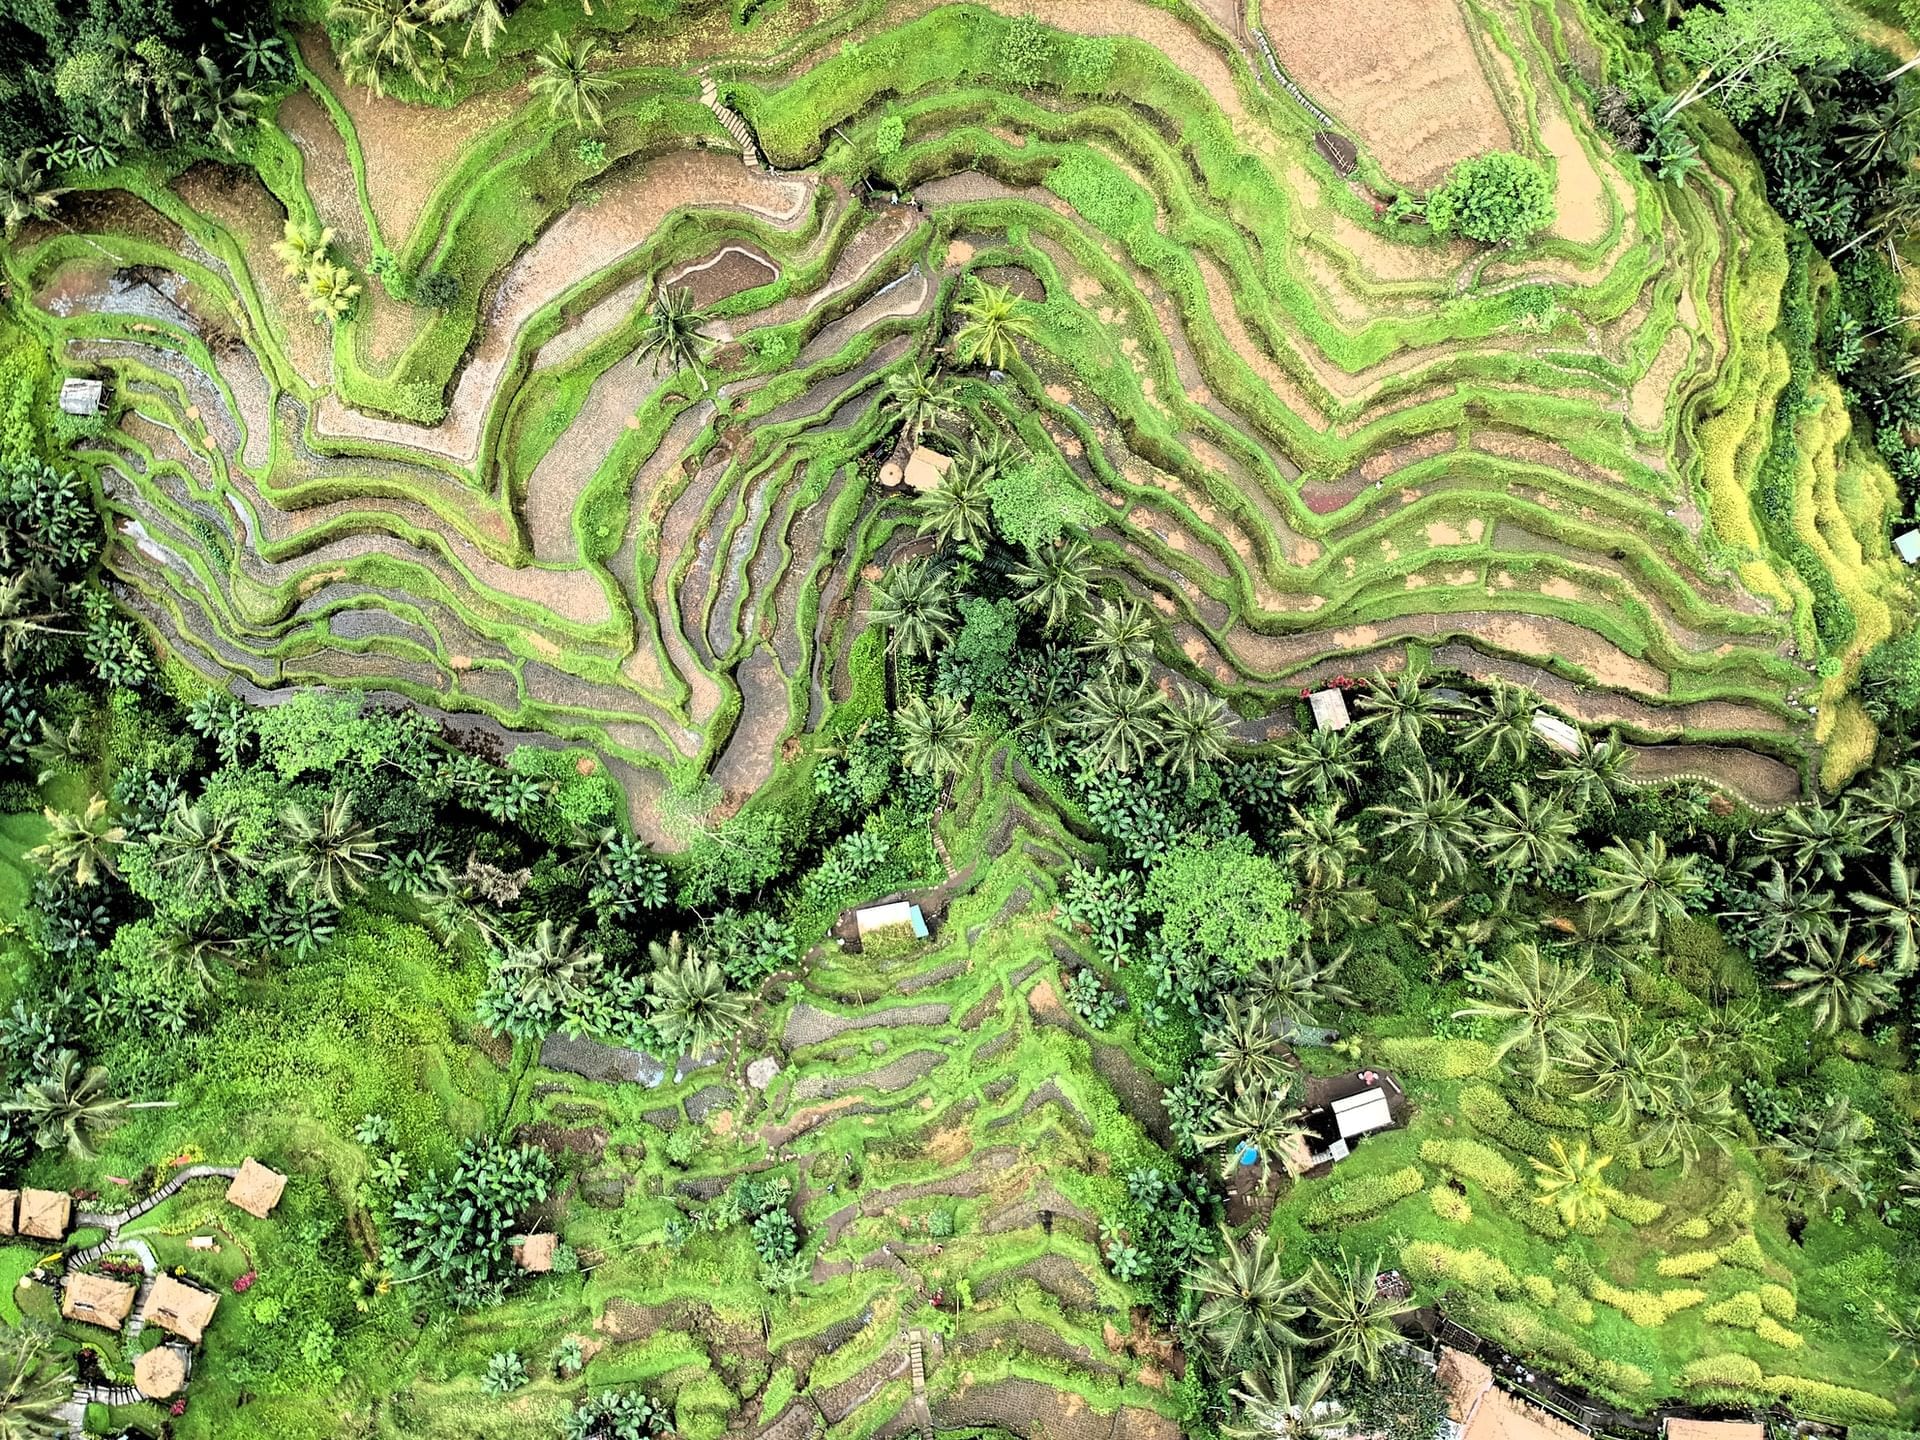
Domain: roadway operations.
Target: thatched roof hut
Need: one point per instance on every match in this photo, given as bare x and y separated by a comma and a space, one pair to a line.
185, 1310
8, 1199
96, 1300
534, 1253
45, 1214
161, 1373
256, 1189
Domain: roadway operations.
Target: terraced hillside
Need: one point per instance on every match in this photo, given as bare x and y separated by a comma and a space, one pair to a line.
1305, 437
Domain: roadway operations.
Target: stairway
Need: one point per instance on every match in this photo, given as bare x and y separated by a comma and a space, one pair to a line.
918, 1368
730, 122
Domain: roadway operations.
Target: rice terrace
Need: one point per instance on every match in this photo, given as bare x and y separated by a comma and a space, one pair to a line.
885, 718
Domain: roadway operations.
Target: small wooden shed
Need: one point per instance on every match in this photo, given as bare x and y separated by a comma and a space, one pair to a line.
96, 1300
179, 1308
81, 397
256, 1189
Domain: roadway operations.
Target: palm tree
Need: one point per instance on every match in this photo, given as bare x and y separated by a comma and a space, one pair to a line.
1119, 721
223, 104
1505, 731
1843, 985
1262, 1117
1596, 777
674, 337
1787, 913
1818, 838
1193, 731
919, 401
1054, 582
1573, 1184
550, 974
911, 601
1274, 1406
1322, 761
1321, 844
692, 1008
1680, 1114
1245, 1047
25, 192
71, 1105
1897, 911
1400, 711
387, 34
563, 73
1824, 1151
958, 511
991, 324
486, 21
330, 290
1647, 887
327, 852
1431, 828
1298, 986
1121, 636
196, 848
1612, 1065
1893, 796
34, 1387
1355, 1321
1246, 1303
81, 845
1543, 1004
936, 738
1531, 836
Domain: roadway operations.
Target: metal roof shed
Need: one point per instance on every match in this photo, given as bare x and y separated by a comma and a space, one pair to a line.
881, 917
1907, 547
1556, 732
1362, 1114
1329, 710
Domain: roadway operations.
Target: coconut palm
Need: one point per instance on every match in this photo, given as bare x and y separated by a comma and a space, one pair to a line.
1818, 838
1119, 721
919, 401
70, 1105
1505, 729
1322, 762
330, 290
1400, 711
1245, 1047
1613, 1066
35, 1387
935, 738
990, 325
1896, 910
1647, 886
195, 848
382, 35
1893, 796
1245, 1304
1682, 1112
1261, 1116
1354, 1321
1321, 844
1276, 1406
674, 337
1596, 777
1823, 1152
222, 104
1573, 1184
80, 846
1529, 836
1840, 982
1543, 1004
1299, 986
1787, 913
1120, 636
692, 1008
302, 243
549, 976
1054, 582
1193, 731
326, 851
958, 511
563, 74
1429, 828
25, 192
911, 601
486, 21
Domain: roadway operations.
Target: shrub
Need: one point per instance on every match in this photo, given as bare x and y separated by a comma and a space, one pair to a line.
1487, 1110
1634, 1209
1357, 1199
1775, 1333
1435, 1057
1026, 51
1742, 1310
1733, 1208
1539, 1289
1694, 1228
1829, 1401
1778, 1301
889, 135
1690, 1262
1746, 1253
1472, 1161
1474, 1269
1645, 1308
1497, 199
1450, 1204
1728, 1370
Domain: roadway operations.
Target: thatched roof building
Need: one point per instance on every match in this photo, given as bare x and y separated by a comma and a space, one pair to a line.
45, 1214
256, 1189
96, 1300
161, 1373
185, 1310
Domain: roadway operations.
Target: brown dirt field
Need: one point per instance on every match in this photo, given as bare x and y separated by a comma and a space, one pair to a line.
1580, 196
725, 273
1402, 73
408, 149
1758, 778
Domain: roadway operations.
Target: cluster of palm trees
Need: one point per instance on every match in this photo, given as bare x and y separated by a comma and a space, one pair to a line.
1248, 1319
384, 38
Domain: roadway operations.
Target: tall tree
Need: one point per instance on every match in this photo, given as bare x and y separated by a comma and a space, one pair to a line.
1647, 886
1054, 582
1573, 1184
959, 510
911, 601
1428, 826
1320, 762
197, 849
564, 77
71, 1105
920, 401
1840, 982
326, 851
1276, 1406
1245, 1047
80, 846
1895, 909
1530, 835
693, 1009
935, 738
1504, 732
1745, 52
1354, 1322
991, 324
674, 337
35, 1386
1120, 720
1544, 1005
1193, 731
1400, 712
1246, 1304
1120, 636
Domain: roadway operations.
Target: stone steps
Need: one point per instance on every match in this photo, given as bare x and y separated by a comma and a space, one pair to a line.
730, 121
